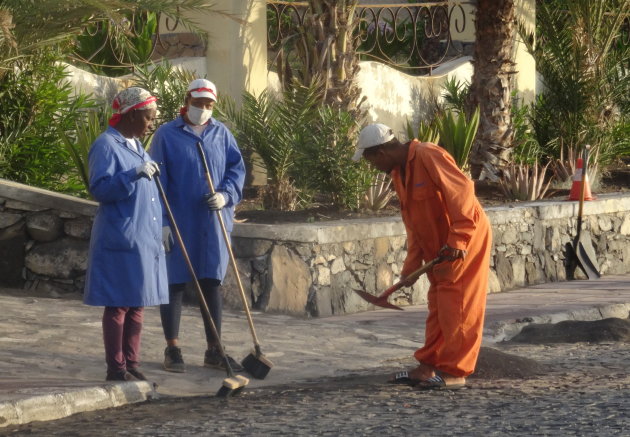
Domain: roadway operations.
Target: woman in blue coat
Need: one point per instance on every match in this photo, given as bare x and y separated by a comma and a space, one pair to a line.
126, 263
183, 179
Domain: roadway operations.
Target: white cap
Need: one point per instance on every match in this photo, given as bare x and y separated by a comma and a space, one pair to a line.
372, 135
202, 88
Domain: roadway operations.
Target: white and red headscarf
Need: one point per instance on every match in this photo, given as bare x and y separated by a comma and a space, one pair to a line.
129, 99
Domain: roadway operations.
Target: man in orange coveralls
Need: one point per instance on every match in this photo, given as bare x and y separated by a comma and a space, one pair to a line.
442, 217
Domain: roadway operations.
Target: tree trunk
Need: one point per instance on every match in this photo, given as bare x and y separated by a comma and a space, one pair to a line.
495, 26
327, 53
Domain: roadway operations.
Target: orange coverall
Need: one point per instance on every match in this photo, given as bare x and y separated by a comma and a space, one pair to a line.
439, 207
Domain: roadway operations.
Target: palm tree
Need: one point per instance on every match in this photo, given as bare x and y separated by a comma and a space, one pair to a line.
583, 58
491, 85
326, 51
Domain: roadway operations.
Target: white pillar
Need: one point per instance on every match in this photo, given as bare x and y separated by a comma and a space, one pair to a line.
236, 54
525, 80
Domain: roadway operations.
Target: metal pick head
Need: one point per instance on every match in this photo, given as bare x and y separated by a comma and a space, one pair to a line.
375, 300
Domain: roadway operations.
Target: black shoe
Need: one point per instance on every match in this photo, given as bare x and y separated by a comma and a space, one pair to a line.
214, 360
120, 375
173, 361
136, 374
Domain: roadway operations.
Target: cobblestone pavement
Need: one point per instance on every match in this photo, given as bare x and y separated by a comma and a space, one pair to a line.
584, 391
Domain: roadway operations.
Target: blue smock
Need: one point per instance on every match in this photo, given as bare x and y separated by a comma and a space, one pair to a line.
126, 262
184, 181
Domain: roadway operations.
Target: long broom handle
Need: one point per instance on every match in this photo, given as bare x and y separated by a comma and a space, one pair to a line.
202, 300
250, 321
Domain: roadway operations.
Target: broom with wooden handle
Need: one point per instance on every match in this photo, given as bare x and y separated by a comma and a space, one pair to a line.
255, 363
233, 384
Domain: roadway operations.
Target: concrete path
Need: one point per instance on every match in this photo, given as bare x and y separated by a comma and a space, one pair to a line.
52, 362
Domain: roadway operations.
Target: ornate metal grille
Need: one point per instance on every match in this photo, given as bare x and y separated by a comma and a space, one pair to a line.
413, 37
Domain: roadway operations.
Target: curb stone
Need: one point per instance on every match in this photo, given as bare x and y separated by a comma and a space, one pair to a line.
65, 403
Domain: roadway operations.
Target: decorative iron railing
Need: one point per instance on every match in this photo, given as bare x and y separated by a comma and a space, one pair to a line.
413, 37
139, 26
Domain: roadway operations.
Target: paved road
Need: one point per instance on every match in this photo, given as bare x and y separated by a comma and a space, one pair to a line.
584, 390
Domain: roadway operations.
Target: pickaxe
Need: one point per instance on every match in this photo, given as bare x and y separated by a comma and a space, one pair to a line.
381, 299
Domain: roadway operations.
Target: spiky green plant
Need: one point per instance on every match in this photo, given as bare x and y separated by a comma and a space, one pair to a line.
79, 140
274, 127
455, 94
582, 54
457, 134
520, 181
380, 192
426, 132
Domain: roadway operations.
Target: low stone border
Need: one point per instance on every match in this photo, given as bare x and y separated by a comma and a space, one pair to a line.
311, 269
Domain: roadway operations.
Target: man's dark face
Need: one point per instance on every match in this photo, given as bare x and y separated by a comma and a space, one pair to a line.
378, 158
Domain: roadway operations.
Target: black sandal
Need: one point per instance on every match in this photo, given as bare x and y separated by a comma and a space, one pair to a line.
403, 378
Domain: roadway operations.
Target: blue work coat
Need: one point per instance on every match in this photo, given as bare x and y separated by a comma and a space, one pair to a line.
126, 263
183, 177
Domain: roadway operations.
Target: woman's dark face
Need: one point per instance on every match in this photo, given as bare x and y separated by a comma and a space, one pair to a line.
142, 121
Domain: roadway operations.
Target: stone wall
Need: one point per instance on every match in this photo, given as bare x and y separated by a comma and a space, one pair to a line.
44, 239
311, 269
338, 257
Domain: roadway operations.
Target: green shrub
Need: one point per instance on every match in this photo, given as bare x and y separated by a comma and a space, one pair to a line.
274, 127
37, 105
305, 146
325, 159
79, 139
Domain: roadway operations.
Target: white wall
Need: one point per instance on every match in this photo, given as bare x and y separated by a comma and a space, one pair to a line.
393, 96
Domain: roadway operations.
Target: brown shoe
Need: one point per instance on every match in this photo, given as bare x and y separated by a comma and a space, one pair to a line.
120, 375
136, 373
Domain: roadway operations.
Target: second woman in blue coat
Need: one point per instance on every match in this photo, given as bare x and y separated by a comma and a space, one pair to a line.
195, 212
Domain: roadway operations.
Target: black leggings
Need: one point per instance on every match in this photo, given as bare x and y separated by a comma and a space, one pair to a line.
171, 313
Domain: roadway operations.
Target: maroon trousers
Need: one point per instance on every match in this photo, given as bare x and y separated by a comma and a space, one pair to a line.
121, 335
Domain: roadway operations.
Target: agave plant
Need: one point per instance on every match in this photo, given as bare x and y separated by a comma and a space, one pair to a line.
457, 134
426, 132
380, 192
521, 181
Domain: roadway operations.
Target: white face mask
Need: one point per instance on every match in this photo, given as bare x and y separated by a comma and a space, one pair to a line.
198, 116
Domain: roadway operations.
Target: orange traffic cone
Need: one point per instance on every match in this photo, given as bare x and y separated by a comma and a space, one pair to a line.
577, 182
